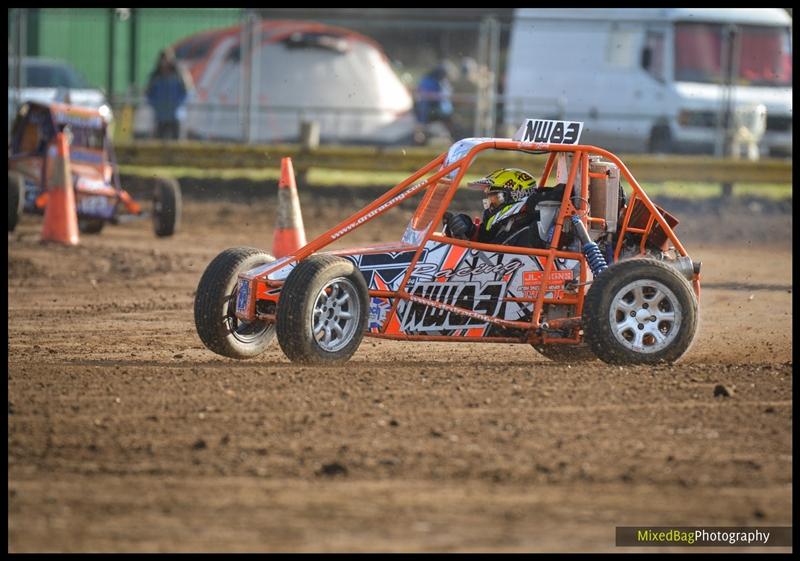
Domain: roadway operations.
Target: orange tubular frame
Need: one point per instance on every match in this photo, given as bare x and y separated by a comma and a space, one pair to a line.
534, 328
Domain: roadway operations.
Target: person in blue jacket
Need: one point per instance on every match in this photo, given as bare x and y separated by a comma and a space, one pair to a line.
433, 99
167, 90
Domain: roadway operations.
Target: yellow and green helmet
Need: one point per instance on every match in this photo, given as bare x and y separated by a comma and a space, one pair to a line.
512, 183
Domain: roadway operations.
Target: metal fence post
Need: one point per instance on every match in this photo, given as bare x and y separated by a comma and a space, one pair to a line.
254, 21
18, 45
494, 73
730, 55
489, 64
249, 41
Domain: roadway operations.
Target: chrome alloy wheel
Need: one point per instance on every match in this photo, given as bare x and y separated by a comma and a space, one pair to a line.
645, 316
335, 314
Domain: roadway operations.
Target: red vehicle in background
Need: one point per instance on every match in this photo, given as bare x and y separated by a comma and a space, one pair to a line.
99, 199
304, 71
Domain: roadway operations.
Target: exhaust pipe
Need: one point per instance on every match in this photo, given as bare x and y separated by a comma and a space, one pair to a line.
686, 267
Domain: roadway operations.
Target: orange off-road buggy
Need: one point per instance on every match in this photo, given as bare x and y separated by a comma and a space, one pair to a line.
614, 281
99, 199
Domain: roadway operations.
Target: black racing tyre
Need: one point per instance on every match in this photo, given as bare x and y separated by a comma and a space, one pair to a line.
322, 311
16, 198
640, 311
566, 353
90, 225
215, 306
166, 206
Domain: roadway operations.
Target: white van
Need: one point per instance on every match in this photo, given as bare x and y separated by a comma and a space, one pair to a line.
653, 79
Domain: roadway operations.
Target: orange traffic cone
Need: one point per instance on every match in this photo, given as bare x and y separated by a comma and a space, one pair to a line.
60, 215
289, 232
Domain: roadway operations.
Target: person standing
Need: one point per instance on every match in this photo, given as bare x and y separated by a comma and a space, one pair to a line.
167, 90
433, 101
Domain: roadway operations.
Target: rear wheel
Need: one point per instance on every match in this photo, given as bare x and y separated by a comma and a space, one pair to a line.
322, 311
166, 206
640, 311
16, 198
215, 306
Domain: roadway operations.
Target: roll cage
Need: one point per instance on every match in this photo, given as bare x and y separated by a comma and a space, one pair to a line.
440, 187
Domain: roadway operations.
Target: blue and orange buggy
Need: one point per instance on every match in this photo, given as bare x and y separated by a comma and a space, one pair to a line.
99, 198
614, 282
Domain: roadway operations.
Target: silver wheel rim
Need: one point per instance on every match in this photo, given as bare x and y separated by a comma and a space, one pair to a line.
335, 315
645, 316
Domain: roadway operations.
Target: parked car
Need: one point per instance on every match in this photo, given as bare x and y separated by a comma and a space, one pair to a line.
44, 80
306, 72
653, 79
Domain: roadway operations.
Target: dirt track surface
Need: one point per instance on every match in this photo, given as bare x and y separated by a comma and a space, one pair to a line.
126, 434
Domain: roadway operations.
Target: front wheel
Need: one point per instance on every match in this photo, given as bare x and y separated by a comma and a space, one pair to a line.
640, 311
215, 306
166, 206
322, 311
90, 225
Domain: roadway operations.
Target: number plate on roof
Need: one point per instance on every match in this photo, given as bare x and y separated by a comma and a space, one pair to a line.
549, 132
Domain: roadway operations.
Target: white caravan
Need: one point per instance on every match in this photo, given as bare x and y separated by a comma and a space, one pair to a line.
654, 79
303, 71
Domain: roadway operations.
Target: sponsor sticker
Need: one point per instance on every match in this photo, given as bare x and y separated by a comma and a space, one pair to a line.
243, 298
378, 309
532, 282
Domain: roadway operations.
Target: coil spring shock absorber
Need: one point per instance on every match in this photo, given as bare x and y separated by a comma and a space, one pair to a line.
597, 263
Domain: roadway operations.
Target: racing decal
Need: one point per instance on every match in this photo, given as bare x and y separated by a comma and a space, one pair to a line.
450, 262
383, 271
375, 212
378, 307
480, 282
549, 132
243, 298
480, 268
471, 296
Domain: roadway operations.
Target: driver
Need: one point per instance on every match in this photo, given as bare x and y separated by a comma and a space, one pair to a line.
510, 216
